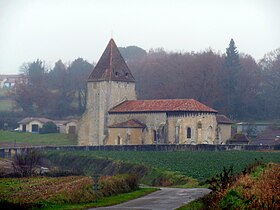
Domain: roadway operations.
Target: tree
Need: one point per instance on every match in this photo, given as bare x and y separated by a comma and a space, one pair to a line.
132, 52
49, 127
33, 94
79, 71
270, 96
232, 68
26, 162
63, 95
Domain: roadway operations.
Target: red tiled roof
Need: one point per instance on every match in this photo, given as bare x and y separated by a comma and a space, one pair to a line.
111, 66
165, 105
128, 124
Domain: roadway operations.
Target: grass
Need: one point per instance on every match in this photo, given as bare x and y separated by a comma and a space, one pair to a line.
107, 201
194, 205
3, 92
200, 165
71, 192
246, 192
35, 139
6, 104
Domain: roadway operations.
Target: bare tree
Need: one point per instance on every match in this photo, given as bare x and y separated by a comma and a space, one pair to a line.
26, 162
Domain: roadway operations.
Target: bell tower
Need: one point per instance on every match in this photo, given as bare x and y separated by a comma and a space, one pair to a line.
109, 83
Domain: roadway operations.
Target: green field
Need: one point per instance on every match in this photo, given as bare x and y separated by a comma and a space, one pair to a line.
199, 165
6, 104
35, 139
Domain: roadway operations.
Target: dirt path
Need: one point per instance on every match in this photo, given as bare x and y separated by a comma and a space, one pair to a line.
165, 199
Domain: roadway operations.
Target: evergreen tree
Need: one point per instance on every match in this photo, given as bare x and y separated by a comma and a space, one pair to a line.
232, 68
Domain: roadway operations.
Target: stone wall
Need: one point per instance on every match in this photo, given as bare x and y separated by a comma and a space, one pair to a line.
135, 136
205, 133
224, 132
153, 120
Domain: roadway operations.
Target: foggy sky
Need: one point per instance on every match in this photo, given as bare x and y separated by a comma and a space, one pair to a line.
67, 29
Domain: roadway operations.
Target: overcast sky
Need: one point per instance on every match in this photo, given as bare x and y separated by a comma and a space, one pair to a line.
67, 29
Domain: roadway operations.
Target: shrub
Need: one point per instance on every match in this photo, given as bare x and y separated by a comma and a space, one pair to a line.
233, 200
49, 127
26, 162
113, 185
222, 180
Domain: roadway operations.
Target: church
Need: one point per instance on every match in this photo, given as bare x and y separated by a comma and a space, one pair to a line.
114, 116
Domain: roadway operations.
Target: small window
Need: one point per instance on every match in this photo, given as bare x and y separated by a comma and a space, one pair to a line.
126, 74
117, 74
119, 140
199, 125
155, 136
189, 132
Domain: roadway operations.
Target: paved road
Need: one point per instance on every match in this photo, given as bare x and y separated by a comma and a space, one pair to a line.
165, 199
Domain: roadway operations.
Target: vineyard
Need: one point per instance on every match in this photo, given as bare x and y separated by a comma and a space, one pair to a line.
199, 165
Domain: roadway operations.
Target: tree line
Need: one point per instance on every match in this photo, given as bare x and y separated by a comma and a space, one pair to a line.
233, 83
57, 93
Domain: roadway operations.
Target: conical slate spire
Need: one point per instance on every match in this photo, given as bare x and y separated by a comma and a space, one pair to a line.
111, 66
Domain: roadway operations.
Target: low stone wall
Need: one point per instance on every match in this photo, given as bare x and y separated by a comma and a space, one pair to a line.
9, 152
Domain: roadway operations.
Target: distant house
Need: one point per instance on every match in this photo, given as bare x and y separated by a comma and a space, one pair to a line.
269, 136
239, 138
224, 128
9, 81
252, 129
33, 124
71, 126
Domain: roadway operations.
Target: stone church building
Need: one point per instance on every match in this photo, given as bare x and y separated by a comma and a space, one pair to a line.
114, 116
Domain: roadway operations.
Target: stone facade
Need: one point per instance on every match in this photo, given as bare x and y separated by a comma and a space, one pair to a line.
224, 132
192, 128
176, 128
102, 96
153, 121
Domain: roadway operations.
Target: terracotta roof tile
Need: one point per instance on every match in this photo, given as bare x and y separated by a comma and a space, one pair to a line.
165, 105
111, 66
128, 124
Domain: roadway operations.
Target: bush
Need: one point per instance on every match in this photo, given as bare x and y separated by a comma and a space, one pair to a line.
233, 200
49, 127
27, 162
113, 185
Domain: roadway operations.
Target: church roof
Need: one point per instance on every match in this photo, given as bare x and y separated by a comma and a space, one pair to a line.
164, 105
128, 124
111, 66
222, 119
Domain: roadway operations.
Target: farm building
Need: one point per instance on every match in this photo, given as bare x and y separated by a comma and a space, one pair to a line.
115, 116
34, 124
9, 81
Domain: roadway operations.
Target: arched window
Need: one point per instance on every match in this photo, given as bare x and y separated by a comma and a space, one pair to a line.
189, 132
199, 125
